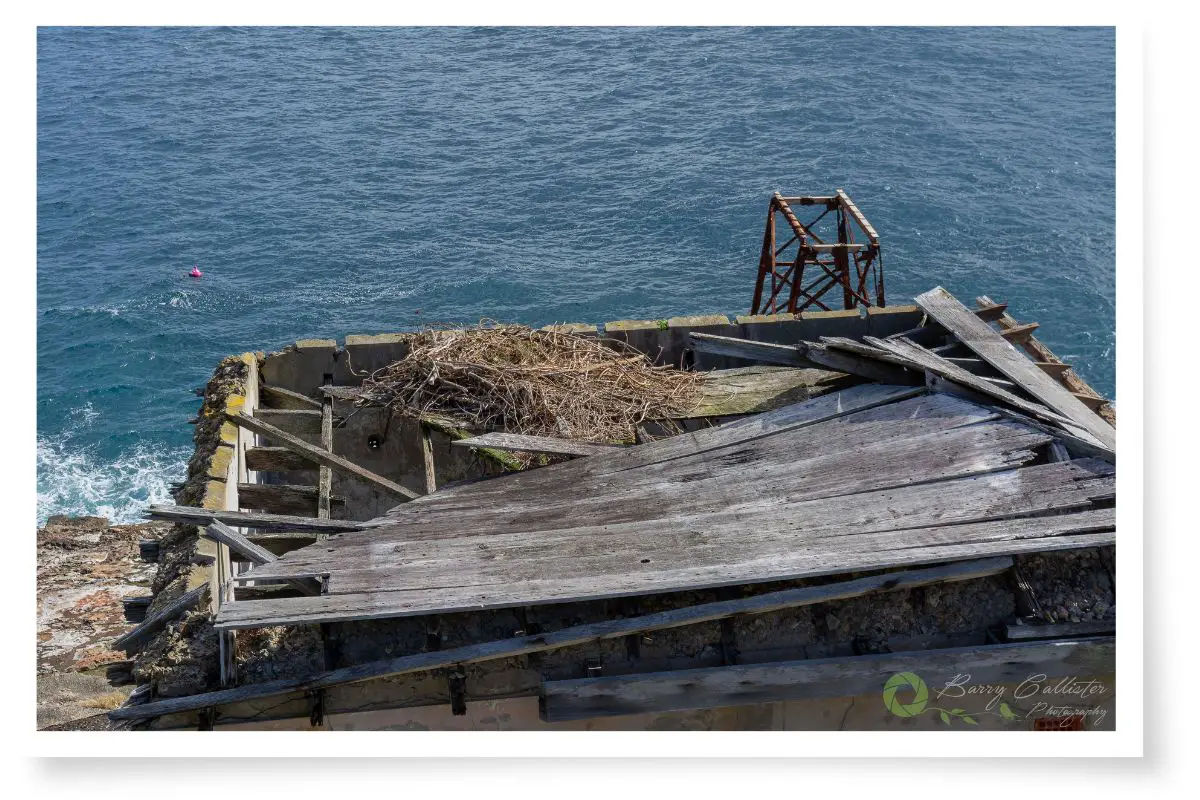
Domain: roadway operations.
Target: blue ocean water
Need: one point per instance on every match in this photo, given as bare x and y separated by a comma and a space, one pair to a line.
356, 180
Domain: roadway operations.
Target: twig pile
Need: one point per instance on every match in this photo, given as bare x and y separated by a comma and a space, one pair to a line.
534, 382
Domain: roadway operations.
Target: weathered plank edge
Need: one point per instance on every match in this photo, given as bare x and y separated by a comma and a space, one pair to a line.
717, 687
608, 629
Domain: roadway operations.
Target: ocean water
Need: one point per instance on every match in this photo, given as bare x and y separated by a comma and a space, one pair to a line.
356, 180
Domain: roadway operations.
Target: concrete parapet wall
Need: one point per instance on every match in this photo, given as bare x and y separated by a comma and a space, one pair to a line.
302, 366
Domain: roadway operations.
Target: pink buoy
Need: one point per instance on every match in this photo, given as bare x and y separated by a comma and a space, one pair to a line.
195, 273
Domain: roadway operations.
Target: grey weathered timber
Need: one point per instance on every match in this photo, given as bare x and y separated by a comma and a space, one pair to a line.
349, 393
749, 684
324, 474
1019, 333
276, 459
1027, 633
928, 360
306, 422
869, 368
765, 352
768, 470
568, 476
535, 444
282, 498
286, 398
158, 620
753, 390
994, 349
427, 459
248, 519
581, 634
318, 455
249, 551
1041, 534
830, 487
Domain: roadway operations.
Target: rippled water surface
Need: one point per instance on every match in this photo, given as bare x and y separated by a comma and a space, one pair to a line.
335, 181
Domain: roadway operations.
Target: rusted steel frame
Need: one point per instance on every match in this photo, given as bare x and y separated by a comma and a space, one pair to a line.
837, 279
801, 231
766, 259
841, 258
829, 282
848, 204
786, 245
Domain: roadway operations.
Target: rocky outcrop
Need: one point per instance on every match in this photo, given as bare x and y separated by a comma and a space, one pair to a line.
85, 569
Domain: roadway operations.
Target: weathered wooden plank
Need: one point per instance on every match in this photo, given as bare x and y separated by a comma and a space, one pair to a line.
997, 351
276, 459
282, 498
324, 474
392, 594
536, 444
1026, 633
764, 352
1019, 333
928, 360
158, 620
320, 456
349, 393
249, 551
246, 519
568, 478
427, 459
802, 463
753, 390
1052, 369
592, 632
869, 368
1048, 362
750, 684
279, 397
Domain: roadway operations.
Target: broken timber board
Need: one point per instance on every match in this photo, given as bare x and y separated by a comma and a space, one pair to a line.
865, 367
159, 619
717, 687
536, 444
318, 455
766, 352
282, 498
1025, 633
997, 351
249, 519
220, 532
580, 634
752, 390
324, 474
926, 359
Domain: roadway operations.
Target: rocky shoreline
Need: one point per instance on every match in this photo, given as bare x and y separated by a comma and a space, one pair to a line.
85, 570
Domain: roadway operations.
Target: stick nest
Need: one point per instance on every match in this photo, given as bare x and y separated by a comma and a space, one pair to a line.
533, 382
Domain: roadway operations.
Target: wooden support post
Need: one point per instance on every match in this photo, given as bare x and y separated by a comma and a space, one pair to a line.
427, 458
326, 474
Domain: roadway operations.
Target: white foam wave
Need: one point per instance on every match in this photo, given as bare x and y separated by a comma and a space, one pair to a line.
73, 480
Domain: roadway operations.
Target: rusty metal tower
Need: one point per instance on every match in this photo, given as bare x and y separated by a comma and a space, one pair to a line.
856, 266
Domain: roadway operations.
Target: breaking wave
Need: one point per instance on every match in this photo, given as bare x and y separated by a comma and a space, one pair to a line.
74, 480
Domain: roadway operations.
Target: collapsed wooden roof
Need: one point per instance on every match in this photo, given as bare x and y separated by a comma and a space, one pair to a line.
871, 477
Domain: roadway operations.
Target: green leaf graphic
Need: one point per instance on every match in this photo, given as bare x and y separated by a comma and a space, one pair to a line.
969, 720
945, 717
1006, 712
